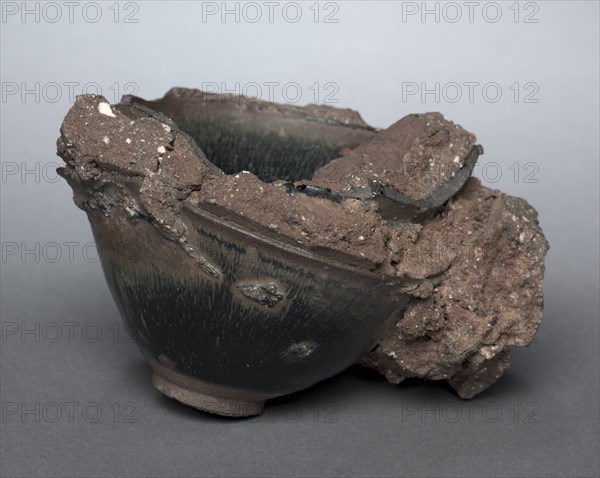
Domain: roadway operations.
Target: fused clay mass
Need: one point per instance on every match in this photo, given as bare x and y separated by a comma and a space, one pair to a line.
399, 202
491, 250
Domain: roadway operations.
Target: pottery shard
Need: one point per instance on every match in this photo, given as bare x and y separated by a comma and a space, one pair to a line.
489, 298
399, 202
410, 168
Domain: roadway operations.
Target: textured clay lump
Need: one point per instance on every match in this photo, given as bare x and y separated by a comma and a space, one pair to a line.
399, 202
491, 251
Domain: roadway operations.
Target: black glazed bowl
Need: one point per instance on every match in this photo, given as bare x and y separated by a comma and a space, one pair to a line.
275, 318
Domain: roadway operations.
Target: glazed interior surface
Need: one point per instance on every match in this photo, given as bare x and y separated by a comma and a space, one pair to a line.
271, 145
265, 153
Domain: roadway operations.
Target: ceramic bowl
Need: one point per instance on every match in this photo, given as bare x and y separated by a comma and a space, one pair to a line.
277, 318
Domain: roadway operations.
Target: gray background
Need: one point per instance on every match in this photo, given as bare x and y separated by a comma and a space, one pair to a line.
541, 419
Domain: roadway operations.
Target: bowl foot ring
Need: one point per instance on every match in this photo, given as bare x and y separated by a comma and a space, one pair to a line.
204, 395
